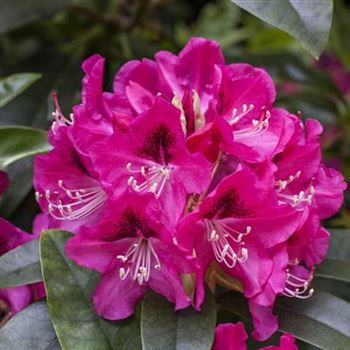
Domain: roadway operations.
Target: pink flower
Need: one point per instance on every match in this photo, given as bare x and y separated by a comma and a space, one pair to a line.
194, 69
250, 129
240, 225
230, 336
66, 187
152, 157
133, 250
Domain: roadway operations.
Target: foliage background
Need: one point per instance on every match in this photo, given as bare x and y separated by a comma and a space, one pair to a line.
52, 38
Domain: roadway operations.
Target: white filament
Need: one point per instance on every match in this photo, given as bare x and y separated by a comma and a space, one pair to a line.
155, 178
79, 203
138, 261
219, 234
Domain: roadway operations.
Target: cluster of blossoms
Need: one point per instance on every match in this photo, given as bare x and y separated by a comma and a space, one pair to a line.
185, 165
13, 300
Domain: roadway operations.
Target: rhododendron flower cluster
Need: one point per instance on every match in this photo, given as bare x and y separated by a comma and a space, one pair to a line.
13, 300
188, 164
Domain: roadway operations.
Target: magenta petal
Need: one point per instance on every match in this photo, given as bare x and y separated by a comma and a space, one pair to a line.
329, 187
230, 336
93, 253
17, 298
11, 236
287, 342
265, 323
193, 69
115, 299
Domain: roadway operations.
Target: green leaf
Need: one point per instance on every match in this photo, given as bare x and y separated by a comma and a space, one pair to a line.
30, 329
164, 329
335, 270
13, 85
307, 21
69, 296
19, 142
21, 265
340, 245
322, 321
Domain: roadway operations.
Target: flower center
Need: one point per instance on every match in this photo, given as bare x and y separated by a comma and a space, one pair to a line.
77, 204
155, 178
236, 116
221, 237
297, 287
138, 260
258, 126
296, 200
282, 184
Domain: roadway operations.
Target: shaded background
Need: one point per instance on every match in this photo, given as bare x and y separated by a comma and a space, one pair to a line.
54, 37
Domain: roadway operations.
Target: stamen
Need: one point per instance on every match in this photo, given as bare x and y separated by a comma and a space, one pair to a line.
282, 184
77, 204
235, 118
155, 176
297, 200
257, 128
297, 287
60, 119
138, 261
219, 234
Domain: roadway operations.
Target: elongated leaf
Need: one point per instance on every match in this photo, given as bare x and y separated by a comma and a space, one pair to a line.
337, 288
13, 85
158, 323
340, 245
308, 21
164, 329
322, 321
69, 295
19, 142
335, 270
21, 265
31, 329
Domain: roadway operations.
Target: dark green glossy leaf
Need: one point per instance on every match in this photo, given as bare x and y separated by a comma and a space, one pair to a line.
322, 321
334, 270
69, 295
340, 245
19, 142
31, 329
308, 21
21, 265
337, 288
164, 329
13, 85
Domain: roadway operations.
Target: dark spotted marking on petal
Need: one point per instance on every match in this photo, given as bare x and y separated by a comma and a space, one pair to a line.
228, 205
130, 224
157, 144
